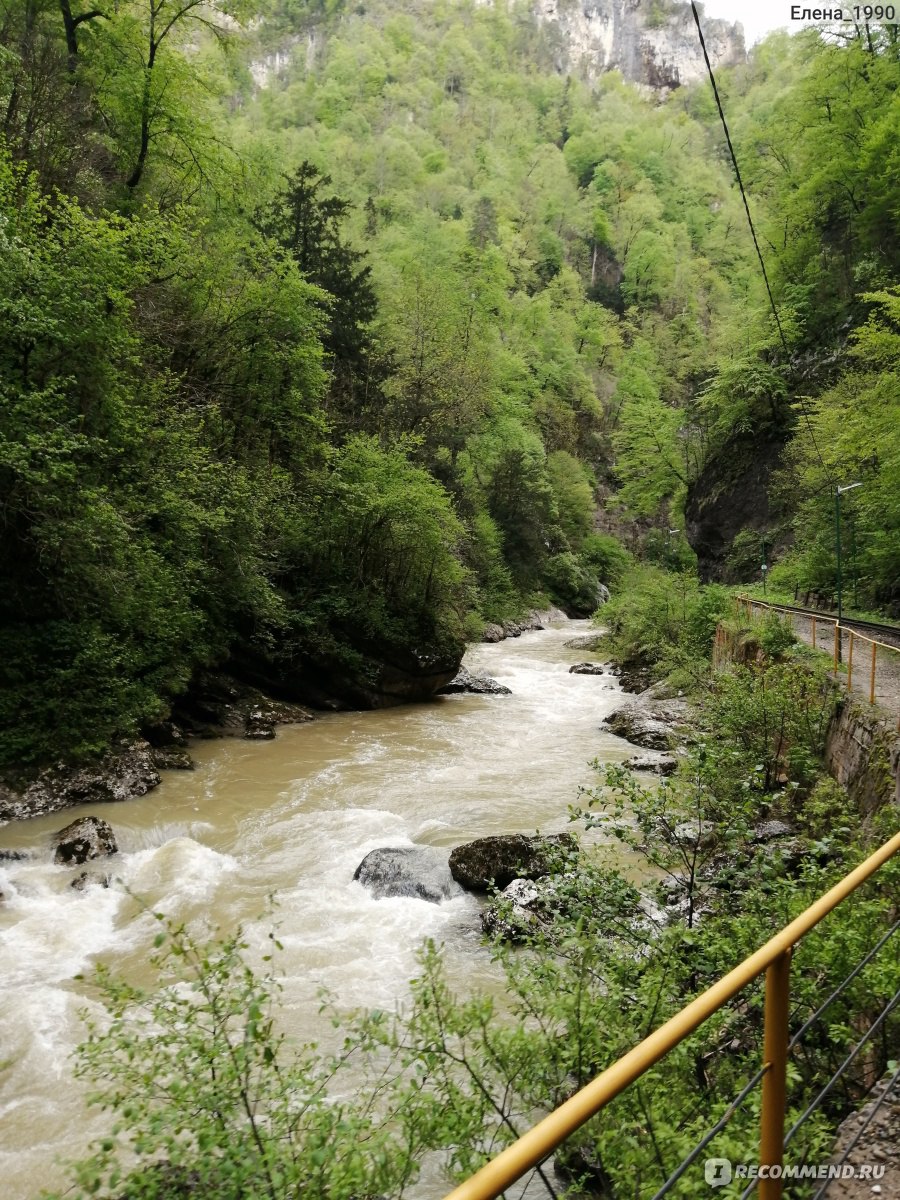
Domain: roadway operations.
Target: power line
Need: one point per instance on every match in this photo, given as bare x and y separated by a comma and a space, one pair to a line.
765, 274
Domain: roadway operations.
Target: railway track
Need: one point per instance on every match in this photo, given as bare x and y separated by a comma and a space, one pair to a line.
889, 634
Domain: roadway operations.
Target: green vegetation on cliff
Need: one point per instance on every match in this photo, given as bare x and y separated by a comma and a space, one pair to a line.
320, 375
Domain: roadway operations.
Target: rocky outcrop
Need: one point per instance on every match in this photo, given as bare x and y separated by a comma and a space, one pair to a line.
531, 623
587, 668
420, 872
218, 705
379, 677
731, 494
654, 44
479, 685
126, 771
651, 721
494, 862
84, 839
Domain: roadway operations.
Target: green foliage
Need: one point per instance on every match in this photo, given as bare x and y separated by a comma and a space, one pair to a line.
666, 621
606, 557
209, 1097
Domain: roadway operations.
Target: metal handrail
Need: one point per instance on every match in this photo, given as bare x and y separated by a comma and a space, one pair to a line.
854, 634
774, 959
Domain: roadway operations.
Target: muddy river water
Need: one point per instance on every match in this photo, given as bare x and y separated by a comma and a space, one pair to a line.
290, 818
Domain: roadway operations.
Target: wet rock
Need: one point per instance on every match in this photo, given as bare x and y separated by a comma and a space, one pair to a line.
420, 872
125, 771
651, 722
84, 839
492, 633
171, 758
217, 705
587, 668
634, 679
656, 764
588, 641
469, 681
13, 855
496, 861
90, 879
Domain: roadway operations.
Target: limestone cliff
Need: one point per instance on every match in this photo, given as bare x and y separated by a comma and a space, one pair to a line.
653, 42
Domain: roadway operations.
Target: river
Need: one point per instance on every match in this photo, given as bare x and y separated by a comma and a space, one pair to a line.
290, 818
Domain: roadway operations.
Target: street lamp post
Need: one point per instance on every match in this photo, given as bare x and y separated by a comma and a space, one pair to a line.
765, 566
838, 492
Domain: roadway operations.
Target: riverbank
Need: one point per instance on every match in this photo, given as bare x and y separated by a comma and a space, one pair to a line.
293, 817
218, 704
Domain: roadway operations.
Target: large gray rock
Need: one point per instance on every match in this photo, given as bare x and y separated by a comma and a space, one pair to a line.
420, 872
653, 762
587, 669
479, 685
125, 771
651, 721
83, 840
587, 641
494, 862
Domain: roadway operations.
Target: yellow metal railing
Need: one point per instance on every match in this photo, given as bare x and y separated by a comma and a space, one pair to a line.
774, 958
855, 636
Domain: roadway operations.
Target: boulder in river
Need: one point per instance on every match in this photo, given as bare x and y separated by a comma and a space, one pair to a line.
492, 633
651, 721
89, 879
587, 641
470, 681
84, 839
420, 872
494, 862
587, 668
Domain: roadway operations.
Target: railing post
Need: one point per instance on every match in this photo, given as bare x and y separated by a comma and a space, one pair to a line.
850, 664
814, 632
837, 646
774, 1085
872, 675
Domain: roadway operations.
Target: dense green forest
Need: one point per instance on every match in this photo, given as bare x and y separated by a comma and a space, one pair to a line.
327, 374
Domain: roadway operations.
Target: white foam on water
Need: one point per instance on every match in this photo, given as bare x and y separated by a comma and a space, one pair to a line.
294, 818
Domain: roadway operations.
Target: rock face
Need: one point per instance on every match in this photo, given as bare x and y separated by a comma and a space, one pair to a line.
421, 872
650, 43
218, 705
650, 721
383, 677
84, 839
533, 622
496, 861
730, 494
125, 771
479, 685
